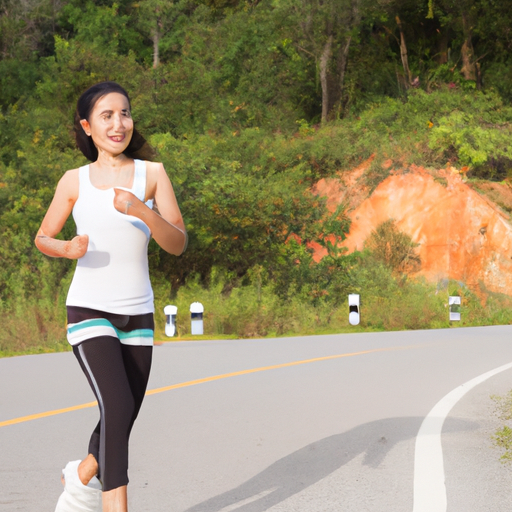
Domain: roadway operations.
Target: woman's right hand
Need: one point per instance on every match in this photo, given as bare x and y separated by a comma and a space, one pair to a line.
77, 247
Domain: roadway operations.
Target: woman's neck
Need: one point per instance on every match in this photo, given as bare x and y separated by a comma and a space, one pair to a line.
111, 162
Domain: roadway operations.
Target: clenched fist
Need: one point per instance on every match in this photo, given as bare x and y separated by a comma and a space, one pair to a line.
123, 200
77, 247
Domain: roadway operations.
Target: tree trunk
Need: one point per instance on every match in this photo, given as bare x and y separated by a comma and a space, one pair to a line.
156, 40
343, 64
442, 56
478, 76
324, 64
343, 61
467, 52
403, 54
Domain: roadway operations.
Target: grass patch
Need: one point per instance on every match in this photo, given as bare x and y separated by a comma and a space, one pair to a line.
33, 328
254, 309
502, 438
442, 181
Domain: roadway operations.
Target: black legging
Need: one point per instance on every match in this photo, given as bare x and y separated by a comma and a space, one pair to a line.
118, 375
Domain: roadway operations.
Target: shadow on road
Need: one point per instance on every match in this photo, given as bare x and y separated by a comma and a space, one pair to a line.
310, 464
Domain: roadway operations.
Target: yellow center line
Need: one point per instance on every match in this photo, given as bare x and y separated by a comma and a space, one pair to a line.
46, 414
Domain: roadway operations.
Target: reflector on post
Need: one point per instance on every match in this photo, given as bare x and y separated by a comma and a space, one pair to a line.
454, 305
353, 309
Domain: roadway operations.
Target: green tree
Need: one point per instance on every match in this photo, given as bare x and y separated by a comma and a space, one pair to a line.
325, 31
239, 203
103, 27
161, 21
27, 27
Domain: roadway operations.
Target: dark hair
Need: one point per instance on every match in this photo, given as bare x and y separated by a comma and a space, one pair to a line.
138, 147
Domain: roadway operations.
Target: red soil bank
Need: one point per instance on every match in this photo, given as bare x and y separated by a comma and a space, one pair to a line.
462, 235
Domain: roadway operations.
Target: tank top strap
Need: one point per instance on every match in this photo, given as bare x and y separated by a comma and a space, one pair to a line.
84, 181
139, 180
83, 172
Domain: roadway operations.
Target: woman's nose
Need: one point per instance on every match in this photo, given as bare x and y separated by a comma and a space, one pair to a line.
118, 122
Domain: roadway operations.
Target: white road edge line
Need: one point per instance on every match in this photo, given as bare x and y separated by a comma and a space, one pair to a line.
429, 479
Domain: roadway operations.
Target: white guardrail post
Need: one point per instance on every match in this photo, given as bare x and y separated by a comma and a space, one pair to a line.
454, 305
196, 318
170, 320
354, 316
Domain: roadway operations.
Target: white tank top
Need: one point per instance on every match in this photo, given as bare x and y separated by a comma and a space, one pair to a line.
113, 275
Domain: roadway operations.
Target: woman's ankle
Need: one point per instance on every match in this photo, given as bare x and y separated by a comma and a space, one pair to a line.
87, 469
115, 500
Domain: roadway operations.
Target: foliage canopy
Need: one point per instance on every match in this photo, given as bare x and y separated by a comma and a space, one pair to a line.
249, 103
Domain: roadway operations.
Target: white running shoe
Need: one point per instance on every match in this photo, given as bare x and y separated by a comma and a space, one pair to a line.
78, 497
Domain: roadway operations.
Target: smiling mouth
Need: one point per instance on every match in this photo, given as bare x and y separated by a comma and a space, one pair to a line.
117, 138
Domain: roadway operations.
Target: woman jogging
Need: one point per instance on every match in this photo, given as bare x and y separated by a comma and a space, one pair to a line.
110, 300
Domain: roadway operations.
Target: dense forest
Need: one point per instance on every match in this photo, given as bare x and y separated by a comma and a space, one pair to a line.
248, 103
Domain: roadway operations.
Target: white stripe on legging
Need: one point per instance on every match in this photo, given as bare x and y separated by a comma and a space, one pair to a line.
101, 462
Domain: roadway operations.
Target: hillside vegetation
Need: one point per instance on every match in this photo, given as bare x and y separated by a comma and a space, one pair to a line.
249, 103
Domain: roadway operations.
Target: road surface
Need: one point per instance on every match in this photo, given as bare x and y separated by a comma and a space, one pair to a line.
309, 424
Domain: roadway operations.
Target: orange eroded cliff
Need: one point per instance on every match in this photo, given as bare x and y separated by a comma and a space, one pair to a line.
462, 234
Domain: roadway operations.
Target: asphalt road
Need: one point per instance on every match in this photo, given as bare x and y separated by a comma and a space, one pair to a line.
336, 432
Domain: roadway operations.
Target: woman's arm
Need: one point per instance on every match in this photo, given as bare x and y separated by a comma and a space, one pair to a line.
60, 208
167, 226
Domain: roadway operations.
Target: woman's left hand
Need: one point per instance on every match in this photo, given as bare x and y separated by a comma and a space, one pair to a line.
124, 200
167, 226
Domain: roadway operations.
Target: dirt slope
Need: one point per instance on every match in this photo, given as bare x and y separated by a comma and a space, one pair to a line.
463, 235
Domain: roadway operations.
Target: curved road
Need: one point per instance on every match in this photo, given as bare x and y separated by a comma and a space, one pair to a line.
309, 424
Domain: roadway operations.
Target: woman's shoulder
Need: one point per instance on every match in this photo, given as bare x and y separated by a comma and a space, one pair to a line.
71, 175
154, 170
69, 183
154, 167
156, 178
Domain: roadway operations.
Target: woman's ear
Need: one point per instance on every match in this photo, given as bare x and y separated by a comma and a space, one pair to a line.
86, 126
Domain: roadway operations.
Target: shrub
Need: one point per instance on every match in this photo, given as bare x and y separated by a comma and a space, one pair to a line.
393, 248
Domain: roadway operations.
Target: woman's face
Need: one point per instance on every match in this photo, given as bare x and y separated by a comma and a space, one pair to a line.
110, 124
